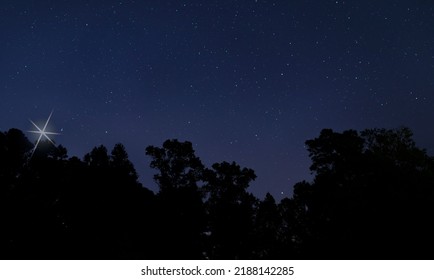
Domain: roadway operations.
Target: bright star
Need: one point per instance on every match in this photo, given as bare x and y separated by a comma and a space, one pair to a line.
43, 133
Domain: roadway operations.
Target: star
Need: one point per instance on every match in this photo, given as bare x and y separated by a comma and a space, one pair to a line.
42, 132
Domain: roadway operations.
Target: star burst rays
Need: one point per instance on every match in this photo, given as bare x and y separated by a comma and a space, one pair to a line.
42, 133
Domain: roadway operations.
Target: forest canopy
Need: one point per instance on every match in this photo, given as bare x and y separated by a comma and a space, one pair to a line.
372, 197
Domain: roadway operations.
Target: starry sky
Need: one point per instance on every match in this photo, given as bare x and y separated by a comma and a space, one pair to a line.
243, 80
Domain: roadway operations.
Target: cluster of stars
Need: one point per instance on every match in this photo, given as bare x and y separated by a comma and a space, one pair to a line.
237, 78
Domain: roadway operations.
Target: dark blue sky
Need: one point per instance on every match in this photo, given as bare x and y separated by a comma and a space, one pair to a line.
246, 81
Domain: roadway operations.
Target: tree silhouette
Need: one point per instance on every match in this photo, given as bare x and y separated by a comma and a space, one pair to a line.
14, 147
372, 197
134, 209
98, 157
119, 161
230, 211
181, 211
266, 228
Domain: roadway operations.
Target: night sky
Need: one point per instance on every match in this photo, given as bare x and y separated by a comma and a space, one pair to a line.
246, 81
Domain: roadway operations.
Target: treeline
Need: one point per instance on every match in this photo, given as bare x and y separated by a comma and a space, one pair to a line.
372, 198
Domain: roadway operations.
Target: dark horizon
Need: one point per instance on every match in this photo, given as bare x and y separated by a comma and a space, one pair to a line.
372, 197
